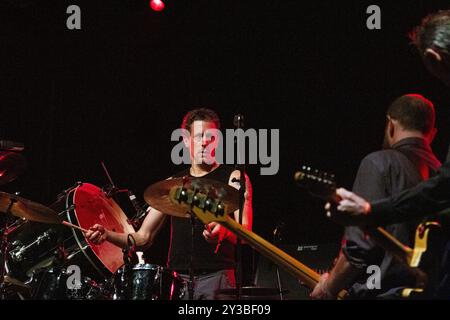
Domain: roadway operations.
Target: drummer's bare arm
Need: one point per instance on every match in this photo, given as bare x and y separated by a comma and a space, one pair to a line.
143, 237
218, 232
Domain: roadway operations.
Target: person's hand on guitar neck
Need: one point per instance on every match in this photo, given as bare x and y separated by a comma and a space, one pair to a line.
321, 291
350, 209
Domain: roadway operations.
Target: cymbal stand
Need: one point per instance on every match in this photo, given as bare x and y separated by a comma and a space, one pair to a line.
4, 250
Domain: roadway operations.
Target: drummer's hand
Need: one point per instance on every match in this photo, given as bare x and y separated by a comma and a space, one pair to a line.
96, 234
216, 232
351, 210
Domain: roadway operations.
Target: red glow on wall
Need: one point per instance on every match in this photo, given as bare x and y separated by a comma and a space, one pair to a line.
157, 5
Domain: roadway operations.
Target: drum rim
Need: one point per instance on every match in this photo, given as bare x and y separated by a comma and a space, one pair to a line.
147, 266
79, 237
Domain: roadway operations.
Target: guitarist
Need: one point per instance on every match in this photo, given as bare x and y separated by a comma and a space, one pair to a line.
432, 40
406, 159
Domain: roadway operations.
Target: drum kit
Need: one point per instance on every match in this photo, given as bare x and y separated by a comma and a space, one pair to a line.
42, 247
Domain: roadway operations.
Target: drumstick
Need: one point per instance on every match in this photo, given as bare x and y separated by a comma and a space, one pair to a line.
70, 225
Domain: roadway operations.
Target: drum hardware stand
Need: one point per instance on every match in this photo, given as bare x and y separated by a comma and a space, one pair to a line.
19, 252
64, 193
4, 250
276, 241
111, 190
72, 207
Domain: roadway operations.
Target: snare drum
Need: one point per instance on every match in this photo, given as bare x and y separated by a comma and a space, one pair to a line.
34, 246
147, 282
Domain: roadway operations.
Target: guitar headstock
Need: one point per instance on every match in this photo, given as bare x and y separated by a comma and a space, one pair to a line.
206, 206
318, 183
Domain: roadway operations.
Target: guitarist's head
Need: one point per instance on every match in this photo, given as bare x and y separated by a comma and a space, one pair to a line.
410, 115
432, 39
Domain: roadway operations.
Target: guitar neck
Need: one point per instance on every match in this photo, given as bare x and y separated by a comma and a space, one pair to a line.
390, 244
305, 274
384, 239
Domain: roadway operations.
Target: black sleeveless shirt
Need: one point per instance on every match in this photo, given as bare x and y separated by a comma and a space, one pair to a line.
204, 257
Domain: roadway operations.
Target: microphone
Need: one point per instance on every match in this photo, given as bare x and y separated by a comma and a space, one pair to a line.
8, 145
135, 203
138, 218
238, 121
129, 252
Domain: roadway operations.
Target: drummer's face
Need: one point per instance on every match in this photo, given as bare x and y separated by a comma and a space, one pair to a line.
203, 141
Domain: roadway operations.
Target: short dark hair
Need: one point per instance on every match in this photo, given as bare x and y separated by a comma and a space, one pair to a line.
433, 32
414, 112
200, 114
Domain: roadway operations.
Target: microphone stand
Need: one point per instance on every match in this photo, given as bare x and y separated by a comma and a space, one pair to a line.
111, 190
277, 241
191, 260
240, 165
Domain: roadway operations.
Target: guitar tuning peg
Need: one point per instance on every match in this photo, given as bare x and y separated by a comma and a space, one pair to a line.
183, 195
221, 193
195, 184
208, 204
186, 179
220, 210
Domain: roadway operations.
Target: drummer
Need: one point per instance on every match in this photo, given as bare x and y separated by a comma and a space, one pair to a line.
214, 245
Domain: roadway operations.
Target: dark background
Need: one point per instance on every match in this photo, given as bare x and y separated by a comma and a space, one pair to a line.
116, 89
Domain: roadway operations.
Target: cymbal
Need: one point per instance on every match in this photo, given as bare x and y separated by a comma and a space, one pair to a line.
14, 287
9, 281
12, 164
157, 195
27, 209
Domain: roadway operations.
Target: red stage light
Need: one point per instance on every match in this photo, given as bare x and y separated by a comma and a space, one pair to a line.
157, 5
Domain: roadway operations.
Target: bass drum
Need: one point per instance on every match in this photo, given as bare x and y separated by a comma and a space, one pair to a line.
36, 246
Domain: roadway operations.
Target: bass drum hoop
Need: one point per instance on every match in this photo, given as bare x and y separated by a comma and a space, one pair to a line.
82, 243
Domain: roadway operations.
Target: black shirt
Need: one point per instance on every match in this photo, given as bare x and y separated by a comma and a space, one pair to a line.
382, 174
204, 257
426, 198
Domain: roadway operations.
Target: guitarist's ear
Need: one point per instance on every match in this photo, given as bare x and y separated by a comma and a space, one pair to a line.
391, 127
389, 133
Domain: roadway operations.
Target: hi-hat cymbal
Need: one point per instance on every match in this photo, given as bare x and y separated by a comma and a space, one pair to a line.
12, 164
27, 209
14, 282
15, 287
157, 195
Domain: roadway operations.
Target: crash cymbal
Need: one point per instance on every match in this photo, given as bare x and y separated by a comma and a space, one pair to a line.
157, 195
27, 209
12, 164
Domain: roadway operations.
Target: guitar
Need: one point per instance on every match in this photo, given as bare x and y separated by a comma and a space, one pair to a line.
322, 184
211, 209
